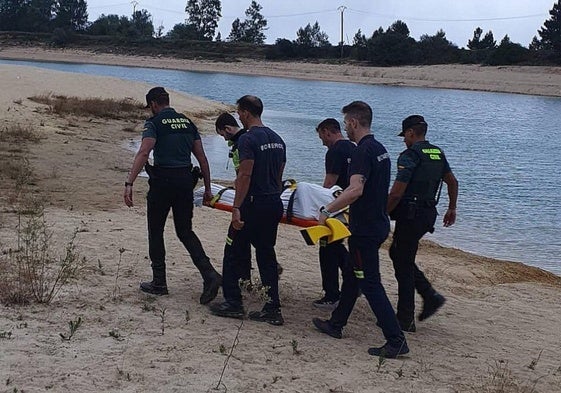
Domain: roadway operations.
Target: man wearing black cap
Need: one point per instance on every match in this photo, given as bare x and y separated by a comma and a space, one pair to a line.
173, 137
412, 204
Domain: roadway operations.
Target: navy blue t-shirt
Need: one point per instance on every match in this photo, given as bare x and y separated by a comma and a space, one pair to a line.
268, 151
337, 161
368, 215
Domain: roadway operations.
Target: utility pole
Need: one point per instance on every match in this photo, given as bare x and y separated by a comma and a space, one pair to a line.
342, 9
134, 4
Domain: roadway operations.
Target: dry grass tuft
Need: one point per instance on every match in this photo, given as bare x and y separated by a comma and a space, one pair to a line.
501, 380
17, 134
32, 271
15, 168
19, 169
92, 106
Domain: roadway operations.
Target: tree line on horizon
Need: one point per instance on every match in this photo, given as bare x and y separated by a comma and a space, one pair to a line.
393, 46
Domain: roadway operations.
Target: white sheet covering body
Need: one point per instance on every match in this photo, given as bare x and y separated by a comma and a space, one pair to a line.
308, 198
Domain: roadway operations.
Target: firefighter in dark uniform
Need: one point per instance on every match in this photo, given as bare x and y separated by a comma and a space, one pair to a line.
412, 204
228, 128
366, 196
333, 256
173, 137
256, 212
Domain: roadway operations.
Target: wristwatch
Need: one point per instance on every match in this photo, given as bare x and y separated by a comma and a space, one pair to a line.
326, 212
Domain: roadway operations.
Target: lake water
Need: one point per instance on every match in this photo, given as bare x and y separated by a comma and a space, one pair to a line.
503, 148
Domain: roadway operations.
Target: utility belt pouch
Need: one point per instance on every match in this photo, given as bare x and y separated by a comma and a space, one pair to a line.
150, 171
405, 210
411, 210
196, 174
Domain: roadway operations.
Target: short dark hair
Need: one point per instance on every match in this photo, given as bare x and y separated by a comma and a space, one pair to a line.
252, 104
157, 94
225, 119
329, 124
359, 110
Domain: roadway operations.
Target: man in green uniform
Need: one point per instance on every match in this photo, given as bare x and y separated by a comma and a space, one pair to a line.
173, 137
412, 204
229, 129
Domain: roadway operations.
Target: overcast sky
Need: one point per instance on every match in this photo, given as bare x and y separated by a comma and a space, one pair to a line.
520, 19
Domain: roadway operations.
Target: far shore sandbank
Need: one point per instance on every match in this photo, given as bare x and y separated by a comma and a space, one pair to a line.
531, 80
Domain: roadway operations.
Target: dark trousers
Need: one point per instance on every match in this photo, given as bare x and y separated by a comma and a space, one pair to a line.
261, 216
332, 257
364, 273
236, 264
175, 193
403, 251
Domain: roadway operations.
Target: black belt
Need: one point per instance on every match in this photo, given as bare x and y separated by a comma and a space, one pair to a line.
160, 171
420, 203
426, 203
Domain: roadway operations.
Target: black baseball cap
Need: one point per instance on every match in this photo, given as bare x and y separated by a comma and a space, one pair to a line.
154, 93
411, 121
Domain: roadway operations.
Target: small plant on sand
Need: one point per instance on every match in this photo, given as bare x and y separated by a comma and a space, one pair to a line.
19, 171
124, 374
6, 334
72, 327
17, 134
295, 350
14, 163
501, 380
148, 307
245, 285
381, 361
116, 289
116, 334
163, 319
256, 290
534, 362
100, 268
32, 271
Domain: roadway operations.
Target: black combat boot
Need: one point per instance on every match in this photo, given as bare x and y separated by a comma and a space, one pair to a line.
212, 280
158, 285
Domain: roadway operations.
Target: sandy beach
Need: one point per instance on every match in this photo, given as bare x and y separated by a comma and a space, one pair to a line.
498, 332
